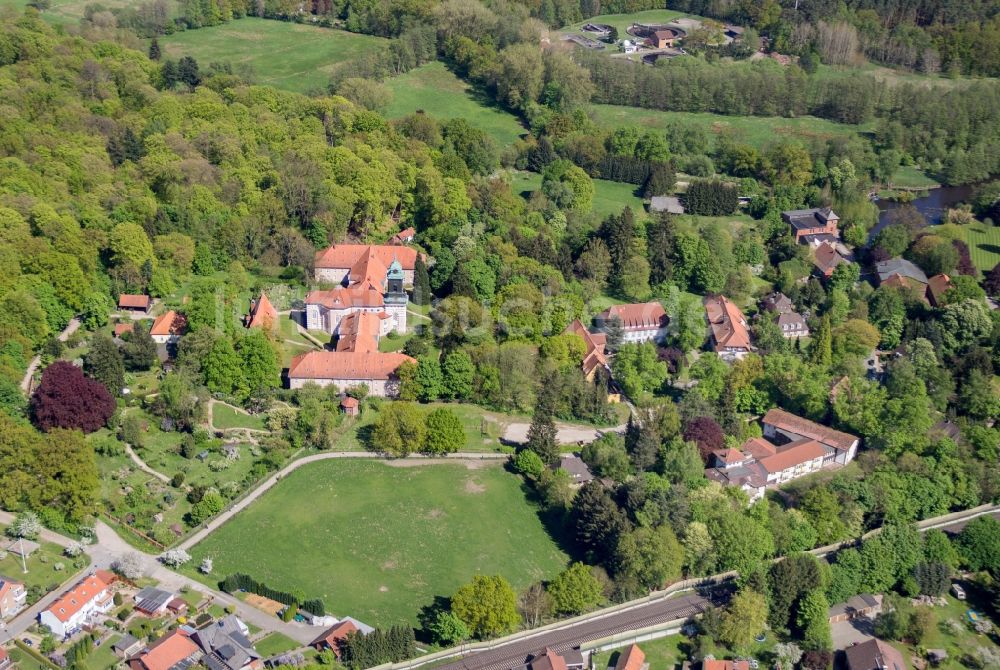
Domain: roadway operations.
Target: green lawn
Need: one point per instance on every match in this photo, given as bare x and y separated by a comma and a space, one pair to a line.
103, 657
435, 90
275, 644
623, 21
910, 177
292, 56
984, 244
379, 542
956, 640
758, 131
41, 568
25, 661
665, 653
224, 416
610, 197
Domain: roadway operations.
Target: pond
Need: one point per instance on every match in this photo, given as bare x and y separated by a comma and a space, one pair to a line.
933, 206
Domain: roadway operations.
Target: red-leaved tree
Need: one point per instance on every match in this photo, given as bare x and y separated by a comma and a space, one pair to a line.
68, 399
707, 433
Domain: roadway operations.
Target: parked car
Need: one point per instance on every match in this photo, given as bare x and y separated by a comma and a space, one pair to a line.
958, 591
27, 641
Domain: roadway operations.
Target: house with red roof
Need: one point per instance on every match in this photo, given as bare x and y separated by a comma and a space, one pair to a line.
355, 263
13, 597
374, 283
937, 287
713, 664
346, 369
729, 335
594, 356
168, 327
404, 236
332, 637
72, 610
136, 304
791, 447
640, 322
571, 659
174, 651
632, 658
262, 314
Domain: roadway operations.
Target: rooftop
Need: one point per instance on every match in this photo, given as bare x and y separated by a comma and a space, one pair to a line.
901, 267
347, 256
727, 323
169, 323
804, 219
643, 315
79, 596
346, 365
798, 425
874, 655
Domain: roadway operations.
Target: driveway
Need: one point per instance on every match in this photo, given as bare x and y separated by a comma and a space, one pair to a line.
847, 633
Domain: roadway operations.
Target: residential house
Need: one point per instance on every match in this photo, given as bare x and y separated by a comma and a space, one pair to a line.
713, 664
789, 321
404, 236
729, 334
344, 369
665, 38
152, 601
827, 257
225, 645
168, 327
74, 608
863, 606
570, 659
640, 322
332, 637
666, 203
135, 304
127, 646
5, 661
262, 314
874, 654
594, 356
577, 470
13, 597
791, 447
813, 226
350, 406
377, 289
901, 273
632, 659
937, 287
174, 651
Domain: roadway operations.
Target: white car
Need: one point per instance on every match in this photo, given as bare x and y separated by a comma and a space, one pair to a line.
958, 591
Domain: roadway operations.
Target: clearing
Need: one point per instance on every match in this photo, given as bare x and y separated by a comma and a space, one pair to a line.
758, 131
226, 416
442, 95
378, 543
910, 177
610, 197
292, 56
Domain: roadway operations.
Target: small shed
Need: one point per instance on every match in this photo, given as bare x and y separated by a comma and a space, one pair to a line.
203, 455
578, 471
350, 406
127, 646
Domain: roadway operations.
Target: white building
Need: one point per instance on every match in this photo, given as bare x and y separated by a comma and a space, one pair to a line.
380, 291
640, 322
89, 597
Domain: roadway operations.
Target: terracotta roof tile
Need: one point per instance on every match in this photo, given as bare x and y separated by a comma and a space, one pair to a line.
729, 329
132, 301
798, 425
793, 455
171, 649
346, 365
631, 659
77, 597
344, 256
170, 323
262, 313
637, 316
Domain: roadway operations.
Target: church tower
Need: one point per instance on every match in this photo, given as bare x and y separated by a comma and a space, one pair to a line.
395, 297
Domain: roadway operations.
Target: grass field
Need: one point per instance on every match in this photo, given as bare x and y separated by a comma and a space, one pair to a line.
442, 95
758, 131
610, 197
103, 657
623, 21
378, 542
910, 177
274, 644
984, 244
224, 416
41, 567
291, 56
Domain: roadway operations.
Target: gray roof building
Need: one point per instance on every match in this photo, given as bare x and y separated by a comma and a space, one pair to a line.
576, 468
226, 644
152, 600
901, 267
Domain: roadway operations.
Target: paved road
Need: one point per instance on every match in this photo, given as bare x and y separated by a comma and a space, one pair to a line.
518, 652
263, 488
33, 365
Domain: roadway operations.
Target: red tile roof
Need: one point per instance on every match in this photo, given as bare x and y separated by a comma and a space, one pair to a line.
792, 455
122, 328
725, 665
827, 258
729, 456
359, 332
637, 316
594, 355
262, 313
347, 256
347, 298
937, 286
727, 322
403, 236
77, 597
331, 637
759, 448
170, 323
166, 652
349, 403
348, 365
132, 301
631, 659
791, 423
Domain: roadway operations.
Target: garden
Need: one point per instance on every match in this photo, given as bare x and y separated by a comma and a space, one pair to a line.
378, 542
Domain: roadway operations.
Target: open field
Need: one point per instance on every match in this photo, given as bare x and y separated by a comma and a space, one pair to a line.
291, 56
379, 542
910, 177
623, 21
224, 416
63, 12
984, 244
610, 197
758, 131
435, 90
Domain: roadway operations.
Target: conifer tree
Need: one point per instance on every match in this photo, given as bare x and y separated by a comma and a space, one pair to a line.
154, 50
